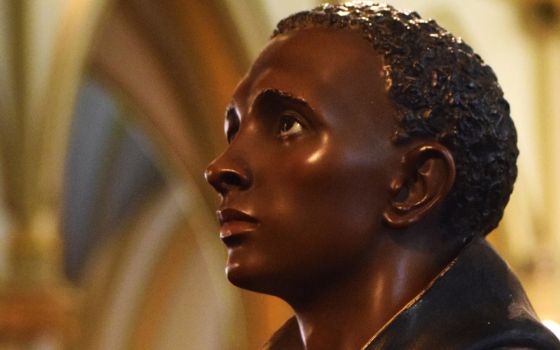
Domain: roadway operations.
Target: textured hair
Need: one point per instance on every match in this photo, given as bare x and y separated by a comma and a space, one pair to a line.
443, 91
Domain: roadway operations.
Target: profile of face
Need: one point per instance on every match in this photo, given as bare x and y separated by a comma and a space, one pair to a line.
307, 173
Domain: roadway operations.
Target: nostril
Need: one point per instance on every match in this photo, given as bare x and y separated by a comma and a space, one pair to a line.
224, 180
228, 172
232, 179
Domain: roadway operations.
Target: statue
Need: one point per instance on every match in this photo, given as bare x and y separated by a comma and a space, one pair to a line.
370, 152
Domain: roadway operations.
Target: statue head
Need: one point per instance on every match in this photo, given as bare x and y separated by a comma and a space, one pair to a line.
443, 91
357, 121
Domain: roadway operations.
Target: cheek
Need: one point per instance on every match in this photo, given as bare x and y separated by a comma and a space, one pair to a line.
315, 215
328, 188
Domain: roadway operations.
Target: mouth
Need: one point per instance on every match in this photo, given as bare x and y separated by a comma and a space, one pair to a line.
233, 241
234, 226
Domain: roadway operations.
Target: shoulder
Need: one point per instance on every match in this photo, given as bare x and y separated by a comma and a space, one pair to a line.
476, 304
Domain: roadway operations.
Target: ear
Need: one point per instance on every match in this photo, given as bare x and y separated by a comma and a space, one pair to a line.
427, 174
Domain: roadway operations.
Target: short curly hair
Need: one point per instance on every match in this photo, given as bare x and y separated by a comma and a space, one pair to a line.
441, 90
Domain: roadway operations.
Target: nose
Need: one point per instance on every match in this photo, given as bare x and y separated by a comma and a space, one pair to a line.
226, 174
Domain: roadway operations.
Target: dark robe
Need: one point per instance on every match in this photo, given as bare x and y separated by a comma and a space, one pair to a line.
476, 303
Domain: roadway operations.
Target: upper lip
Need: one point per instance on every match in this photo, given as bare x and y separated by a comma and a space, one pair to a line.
230, 214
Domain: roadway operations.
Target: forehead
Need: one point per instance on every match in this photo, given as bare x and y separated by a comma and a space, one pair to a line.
321, 66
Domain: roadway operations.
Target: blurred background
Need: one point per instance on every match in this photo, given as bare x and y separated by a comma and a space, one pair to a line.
109, 112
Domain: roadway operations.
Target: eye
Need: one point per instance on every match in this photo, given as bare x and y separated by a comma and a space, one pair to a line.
231, 131
289, 125
231, 124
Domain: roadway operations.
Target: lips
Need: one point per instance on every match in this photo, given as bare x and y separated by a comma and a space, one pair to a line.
235, 224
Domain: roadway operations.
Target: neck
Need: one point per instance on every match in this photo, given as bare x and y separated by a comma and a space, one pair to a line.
346, 312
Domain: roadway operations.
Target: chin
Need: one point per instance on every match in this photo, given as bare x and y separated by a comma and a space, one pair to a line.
244, 271
266, 282
242, 277
255, 281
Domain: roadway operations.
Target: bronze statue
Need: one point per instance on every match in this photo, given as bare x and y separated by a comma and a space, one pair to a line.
370, 152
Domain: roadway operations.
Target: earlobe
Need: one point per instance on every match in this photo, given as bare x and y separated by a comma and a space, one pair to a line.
427, 174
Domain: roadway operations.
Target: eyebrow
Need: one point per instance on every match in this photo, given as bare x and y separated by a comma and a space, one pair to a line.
270, 94
276, 94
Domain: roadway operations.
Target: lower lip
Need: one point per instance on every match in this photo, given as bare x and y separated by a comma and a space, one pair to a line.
232, 228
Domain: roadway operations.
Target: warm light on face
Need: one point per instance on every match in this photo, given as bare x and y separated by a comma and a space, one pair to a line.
315, 157
307, 160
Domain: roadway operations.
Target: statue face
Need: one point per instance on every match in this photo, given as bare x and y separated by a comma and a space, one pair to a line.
307, 172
